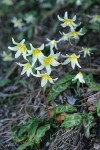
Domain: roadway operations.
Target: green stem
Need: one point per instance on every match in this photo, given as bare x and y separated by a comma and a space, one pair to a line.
45, 102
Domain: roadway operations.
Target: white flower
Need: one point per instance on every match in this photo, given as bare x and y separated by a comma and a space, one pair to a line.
45, 78
95, 18
52, 44
72, 59
17, 23
7, 56
79, 76
75, 34
86, 51
79, 2
20, 48
68, 22
49, 61
36, 53
27, 68
30, 19
65, 37
7, 2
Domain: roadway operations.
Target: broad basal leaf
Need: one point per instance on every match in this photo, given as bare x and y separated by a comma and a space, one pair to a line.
60, 86
40, 133
72, 120
91, 83
87, 122
98, 108
65, 108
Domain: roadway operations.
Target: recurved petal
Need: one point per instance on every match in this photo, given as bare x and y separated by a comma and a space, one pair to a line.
78, 64
14, 41
22, 42
41, 47
66, 15
32, 48
13, 48
74, 18
61, 19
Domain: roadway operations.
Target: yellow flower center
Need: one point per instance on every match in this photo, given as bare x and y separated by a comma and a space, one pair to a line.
96, 17
36, 52
48, 60
53, 42
73, 58
46, 77
27, 66
22, 48
73, 33
68, 21
8, 57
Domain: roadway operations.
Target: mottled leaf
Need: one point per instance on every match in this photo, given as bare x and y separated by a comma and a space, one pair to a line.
87, 122
60, 86
91, 83
40, 133
98, 108
72, 120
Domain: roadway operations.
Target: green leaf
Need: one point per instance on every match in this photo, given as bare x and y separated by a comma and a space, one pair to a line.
91, 83
87, 122
23, 146
4, 82
60, 86
26, 130
64, 108
98, 108
72, 120
40, 133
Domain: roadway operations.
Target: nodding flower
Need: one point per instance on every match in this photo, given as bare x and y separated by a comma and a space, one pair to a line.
20, 48
45, 77
79, 76
71, 59
68, 22
49, 61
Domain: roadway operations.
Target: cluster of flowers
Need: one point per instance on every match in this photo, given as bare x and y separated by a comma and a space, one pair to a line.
52, 60
18, 23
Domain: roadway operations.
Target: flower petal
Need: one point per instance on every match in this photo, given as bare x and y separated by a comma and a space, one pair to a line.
74, 18
34, 61
13, 48
32, 48
22, 42
40, 67
14, 41
41, 47
66, 15
48, 68
43, 82
60, 18
66, 62
18, 53
55, 63
63, 25
73, 64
